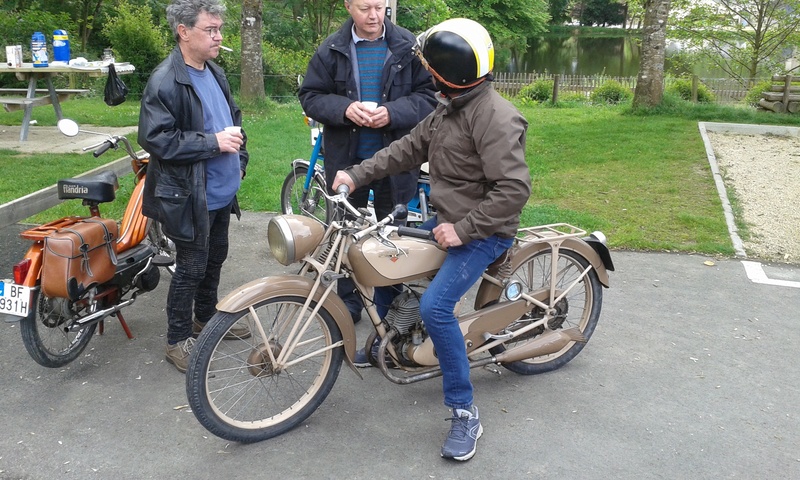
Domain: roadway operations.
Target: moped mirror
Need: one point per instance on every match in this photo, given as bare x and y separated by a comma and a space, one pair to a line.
68, 127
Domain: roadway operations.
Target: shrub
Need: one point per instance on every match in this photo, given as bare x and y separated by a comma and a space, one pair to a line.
754, 94
136, 39
683, 88
539, 91
611, 92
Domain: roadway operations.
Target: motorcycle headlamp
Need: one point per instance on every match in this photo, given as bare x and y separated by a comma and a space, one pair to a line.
291, 237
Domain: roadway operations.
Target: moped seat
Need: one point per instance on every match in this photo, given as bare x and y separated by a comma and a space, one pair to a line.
95, 188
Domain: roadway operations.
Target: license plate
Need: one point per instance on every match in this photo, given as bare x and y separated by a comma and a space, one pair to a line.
14, 299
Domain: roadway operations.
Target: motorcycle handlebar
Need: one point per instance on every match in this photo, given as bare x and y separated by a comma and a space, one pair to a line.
103, 148
416, 233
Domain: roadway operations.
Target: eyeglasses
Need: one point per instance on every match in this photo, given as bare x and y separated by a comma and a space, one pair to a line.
213, 31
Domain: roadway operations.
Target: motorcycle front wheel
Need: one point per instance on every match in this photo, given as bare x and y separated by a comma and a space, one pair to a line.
234, 387
579, 308
46, 333
314, 203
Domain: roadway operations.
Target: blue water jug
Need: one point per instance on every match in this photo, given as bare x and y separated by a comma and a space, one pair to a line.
60, 46
39, 49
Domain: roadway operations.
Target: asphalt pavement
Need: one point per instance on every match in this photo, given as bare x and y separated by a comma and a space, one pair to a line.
689, 375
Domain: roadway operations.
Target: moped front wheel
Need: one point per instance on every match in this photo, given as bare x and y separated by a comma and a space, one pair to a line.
579, 308
48, 335
164, 246
311, 203
251, 389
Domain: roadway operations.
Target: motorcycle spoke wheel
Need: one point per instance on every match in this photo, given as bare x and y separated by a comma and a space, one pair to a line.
164, 246
234, 387
579, 308
47, 336
314, 204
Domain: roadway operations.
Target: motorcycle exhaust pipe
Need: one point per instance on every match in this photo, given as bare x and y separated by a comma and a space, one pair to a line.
547, 343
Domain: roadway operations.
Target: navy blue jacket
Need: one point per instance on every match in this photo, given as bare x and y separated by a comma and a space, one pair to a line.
330, 86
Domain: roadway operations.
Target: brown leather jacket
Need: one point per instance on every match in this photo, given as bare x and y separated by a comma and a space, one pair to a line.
475, 147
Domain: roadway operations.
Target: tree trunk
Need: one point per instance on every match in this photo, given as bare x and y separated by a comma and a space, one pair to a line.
252, 86
650, 82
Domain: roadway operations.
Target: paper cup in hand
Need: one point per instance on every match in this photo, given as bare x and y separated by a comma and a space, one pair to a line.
233, 129
371, 106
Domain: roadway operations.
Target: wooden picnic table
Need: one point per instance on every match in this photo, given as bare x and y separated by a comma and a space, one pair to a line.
27, 72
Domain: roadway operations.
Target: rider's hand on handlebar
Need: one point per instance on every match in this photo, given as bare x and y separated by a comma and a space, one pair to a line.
343, 179
446, 236
229, 142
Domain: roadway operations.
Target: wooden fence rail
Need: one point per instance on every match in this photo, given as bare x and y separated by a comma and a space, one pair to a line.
725, 90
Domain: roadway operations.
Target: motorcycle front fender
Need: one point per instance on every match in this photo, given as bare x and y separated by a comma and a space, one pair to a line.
280, 285
488, 291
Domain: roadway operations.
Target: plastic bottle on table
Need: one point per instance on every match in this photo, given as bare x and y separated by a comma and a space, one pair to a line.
60, 46
39, 49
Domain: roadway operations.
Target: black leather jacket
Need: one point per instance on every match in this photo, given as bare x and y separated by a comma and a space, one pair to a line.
171, 130
330, 86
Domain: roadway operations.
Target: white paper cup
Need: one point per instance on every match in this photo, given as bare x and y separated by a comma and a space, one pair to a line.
371, 106
233, 129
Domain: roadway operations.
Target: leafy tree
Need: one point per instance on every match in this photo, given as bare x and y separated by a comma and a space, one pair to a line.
510, 22
559, 11
420, 15
17, 26
742, 37
601, 12
137, 39
650, 81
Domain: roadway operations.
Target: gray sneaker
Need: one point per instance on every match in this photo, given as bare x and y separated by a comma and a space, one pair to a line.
178, 354
466, 429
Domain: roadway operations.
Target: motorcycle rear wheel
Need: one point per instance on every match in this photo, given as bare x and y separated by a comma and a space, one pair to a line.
232, 385
46, 333
580, 308
315, 204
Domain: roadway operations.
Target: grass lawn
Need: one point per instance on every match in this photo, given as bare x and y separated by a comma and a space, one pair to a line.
644, 180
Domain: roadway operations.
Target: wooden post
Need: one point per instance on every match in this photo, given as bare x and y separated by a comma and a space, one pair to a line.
694, 88
787, 87
556, 81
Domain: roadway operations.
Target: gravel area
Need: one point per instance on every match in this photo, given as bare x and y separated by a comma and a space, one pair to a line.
762, 173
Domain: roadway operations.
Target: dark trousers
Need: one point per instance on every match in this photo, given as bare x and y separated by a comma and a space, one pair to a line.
196, 278
382, 191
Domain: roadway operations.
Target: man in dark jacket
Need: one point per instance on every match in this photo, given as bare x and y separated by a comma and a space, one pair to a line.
197, 162
368, 89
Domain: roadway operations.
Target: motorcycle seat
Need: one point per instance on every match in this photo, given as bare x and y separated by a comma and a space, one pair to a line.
97, 188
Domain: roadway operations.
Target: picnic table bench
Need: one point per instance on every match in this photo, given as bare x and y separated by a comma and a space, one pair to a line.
14, 99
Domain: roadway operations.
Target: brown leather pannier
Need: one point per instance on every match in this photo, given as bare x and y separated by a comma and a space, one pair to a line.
78, 257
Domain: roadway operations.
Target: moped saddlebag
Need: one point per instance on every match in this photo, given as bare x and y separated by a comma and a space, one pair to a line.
78, 257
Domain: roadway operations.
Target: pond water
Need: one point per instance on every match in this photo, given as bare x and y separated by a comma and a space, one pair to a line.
584, 55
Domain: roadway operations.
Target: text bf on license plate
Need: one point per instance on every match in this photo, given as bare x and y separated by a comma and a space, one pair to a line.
14, 299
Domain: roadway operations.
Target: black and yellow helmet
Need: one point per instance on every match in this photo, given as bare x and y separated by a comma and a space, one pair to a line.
458, 52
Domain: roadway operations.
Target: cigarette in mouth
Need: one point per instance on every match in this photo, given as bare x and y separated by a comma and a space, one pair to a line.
227, 49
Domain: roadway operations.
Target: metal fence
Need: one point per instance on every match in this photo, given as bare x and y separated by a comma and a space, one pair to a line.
725, 90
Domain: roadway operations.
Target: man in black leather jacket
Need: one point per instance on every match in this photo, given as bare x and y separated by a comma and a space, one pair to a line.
196, 166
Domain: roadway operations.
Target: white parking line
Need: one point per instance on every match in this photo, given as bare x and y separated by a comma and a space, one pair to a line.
756, 274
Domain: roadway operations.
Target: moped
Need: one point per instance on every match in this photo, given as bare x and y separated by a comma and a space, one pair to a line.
59, 300
534, 310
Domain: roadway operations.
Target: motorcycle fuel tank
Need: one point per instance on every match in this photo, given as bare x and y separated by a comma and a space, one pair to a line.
379, 264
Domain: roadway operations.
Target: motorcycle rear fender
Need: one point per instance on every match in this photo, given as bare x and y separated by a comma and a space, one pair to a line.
488, 292
280, 285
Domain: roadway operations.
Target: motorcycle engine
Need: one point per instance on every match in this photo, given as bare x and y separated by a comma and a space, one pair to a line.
404, 312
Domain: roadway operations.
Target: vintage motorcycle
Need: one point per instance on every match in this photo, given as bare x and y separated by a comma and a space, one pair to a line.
534, 310
79, 270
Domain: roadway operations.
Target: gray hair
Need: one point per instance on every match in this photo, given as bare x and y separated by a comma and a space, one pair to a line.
186, 12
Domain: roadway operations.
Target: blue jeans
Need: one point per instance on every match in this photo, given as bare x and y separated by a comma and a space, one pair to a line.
196, 279
462, 267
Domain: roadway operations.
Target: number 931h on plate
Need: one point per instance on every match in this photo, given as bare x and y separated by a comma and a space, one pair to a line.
14, 299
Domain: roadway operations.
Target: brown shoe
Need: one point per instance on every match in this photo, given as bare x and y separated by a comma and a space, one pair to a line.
178, 354
236, 332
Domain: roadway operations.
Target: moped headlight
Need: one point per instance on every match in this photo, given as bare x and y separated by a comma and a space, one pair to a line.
291, 237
